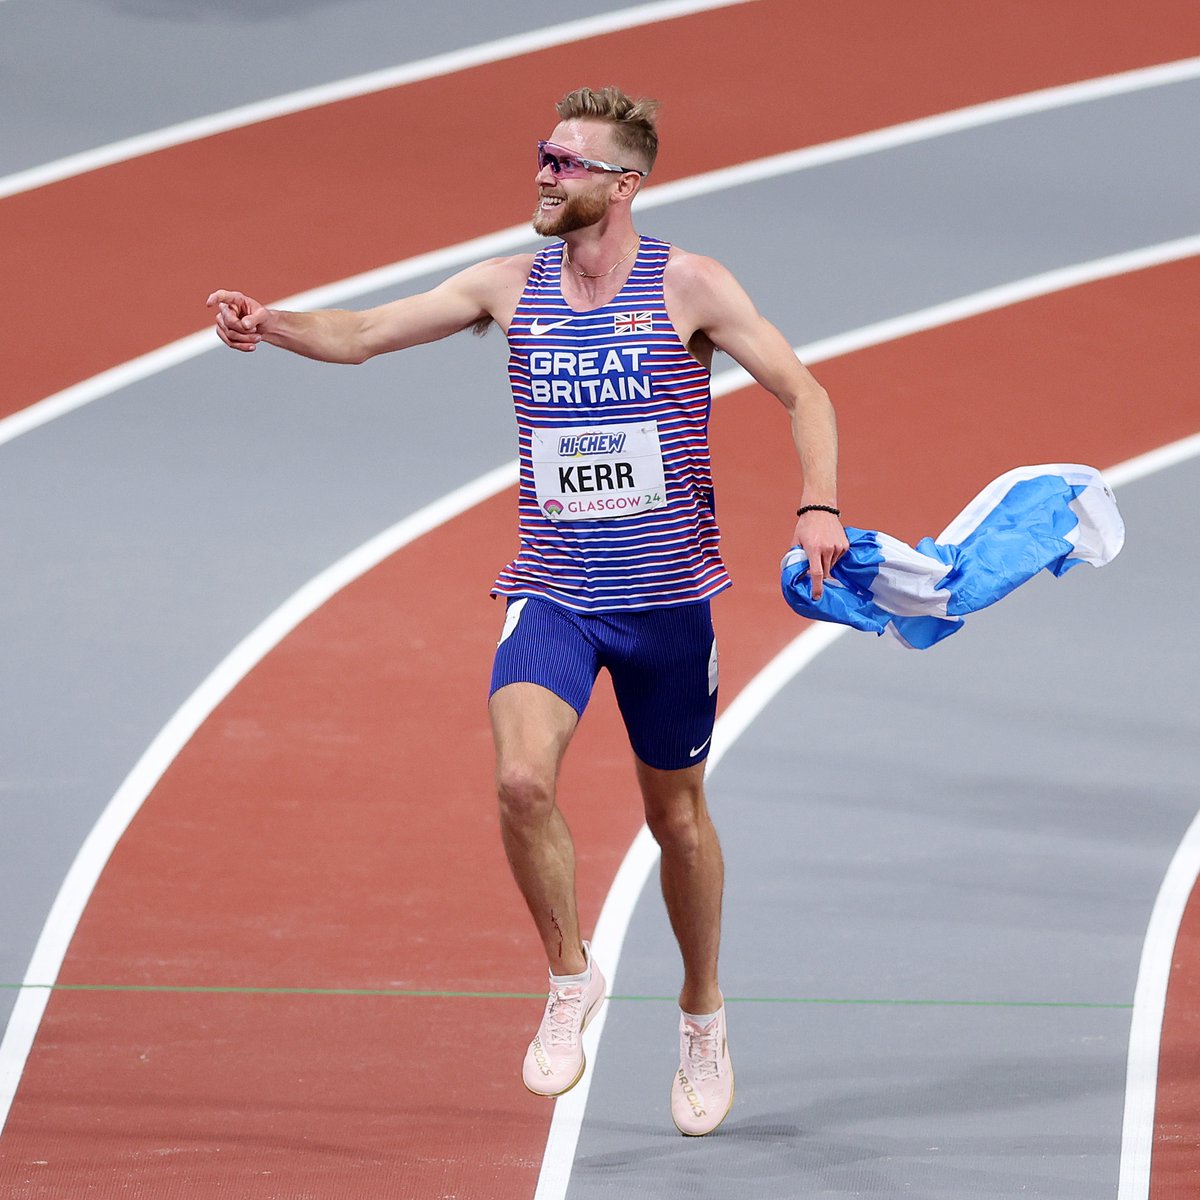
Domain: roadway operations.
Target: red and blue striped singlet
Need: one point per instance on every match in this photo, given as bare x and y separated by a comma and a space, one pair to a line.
616, 495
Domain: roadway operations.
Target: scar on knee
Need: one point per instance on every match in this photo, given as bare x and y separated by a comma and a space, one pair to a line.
558, 929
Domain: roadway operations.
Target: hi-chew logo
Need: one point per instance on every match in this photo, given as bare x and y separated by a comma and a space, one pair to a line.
572, 444
633, 322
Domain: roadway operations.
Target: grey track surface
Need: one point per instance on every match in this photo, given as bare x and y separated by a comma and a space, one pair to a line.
158, 526
77, 74
987, 822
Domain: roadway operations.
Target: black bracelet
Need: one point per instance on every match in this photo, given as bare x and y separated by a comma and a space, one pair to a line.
805, 508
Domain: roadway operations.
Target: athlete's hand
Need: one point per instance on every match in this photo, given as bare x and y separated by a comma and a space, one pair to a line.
824, 541
239, 319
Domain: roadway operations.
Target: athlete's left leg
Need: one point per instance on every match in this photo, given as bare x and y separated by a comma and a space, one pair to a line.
692, 882
692, 874
664, 672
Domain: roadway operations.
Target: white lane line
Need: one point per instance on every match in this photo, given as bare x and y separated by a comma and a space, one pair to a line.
1149, 1005
641, 858
176, 353
922, 129
925, 128
497, 50
195, 344
988, 300
511, 47
1154, 970
81, 879
505, 241
1154, 460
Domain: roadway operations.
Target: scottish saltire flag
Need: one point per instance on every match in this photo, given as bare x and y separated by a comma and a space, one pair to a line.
1033, 518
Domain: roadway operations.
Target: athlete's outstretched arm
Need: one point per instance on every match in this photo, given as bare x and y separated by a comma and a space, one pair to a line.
341, 336
718, 306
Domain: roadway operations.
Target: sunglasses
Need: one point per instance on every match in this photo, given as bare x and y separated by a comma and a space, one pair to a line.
566, 164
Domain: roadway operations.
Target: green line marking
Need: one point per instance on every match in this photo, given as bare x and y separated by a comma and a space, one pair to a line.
200, 989
432, 994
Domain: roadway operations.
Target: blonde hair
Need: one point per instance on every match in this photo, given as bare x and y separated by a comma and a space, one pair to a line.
632, 121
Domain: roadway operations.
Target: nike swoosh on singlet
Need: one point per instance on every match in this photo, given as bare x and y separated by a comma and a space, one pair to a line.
537, 326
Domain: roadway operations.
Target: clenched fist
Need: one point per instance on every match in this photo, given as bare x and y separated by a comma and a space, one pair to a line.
239, 319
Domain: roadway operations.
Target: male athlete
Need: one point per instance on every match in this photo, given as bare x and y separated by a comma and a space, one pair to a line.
611, 336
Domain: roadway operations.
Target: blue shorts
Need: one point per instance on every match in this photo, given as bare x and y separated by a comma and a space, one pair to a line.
663, 663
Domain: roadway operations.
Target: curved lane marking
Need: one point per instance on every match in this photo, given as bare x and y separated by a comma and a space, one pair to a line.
528, 43
176, 353
1149, 1007
85, 870
956, 120
94, 853
505, 241
452, 61
74, 230
1150, 993
1154, 969
566, 1123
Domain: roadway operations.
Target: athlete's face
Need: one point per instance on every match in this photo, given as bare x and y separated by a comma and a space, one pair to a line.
565, 205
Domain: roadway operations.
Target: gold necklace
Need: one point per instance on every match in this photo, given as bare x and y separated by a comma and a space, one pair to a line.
585, 275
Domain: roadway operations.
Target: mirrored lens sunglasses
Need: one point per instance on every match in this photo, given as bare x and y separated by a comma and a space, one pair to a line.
566, 164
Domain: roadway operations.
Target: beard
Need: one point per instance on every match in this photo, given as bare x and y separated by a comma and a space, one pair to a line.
577, 211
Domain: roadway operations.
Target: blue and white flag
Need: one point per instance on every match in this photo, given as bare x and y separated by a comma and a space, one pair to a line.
1051, 517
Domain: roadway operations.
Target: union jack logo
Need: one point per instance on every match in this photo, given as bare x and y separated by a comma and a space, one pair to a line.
633, 322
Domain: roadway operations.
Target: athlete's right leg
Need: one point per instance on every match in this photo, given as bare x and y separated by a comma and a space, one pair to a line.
542, 678
532, 728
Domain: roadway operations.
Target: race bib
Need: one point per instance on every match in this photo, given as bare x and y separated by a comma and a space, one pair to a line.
584, 474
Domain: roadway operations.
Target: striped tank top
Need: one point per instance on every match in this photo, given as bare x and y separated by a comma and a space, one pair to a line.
616, 497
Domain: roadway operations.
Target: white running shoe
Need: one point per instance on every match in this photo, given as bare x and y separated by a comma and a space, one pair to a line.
554, 1062
702, 1090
